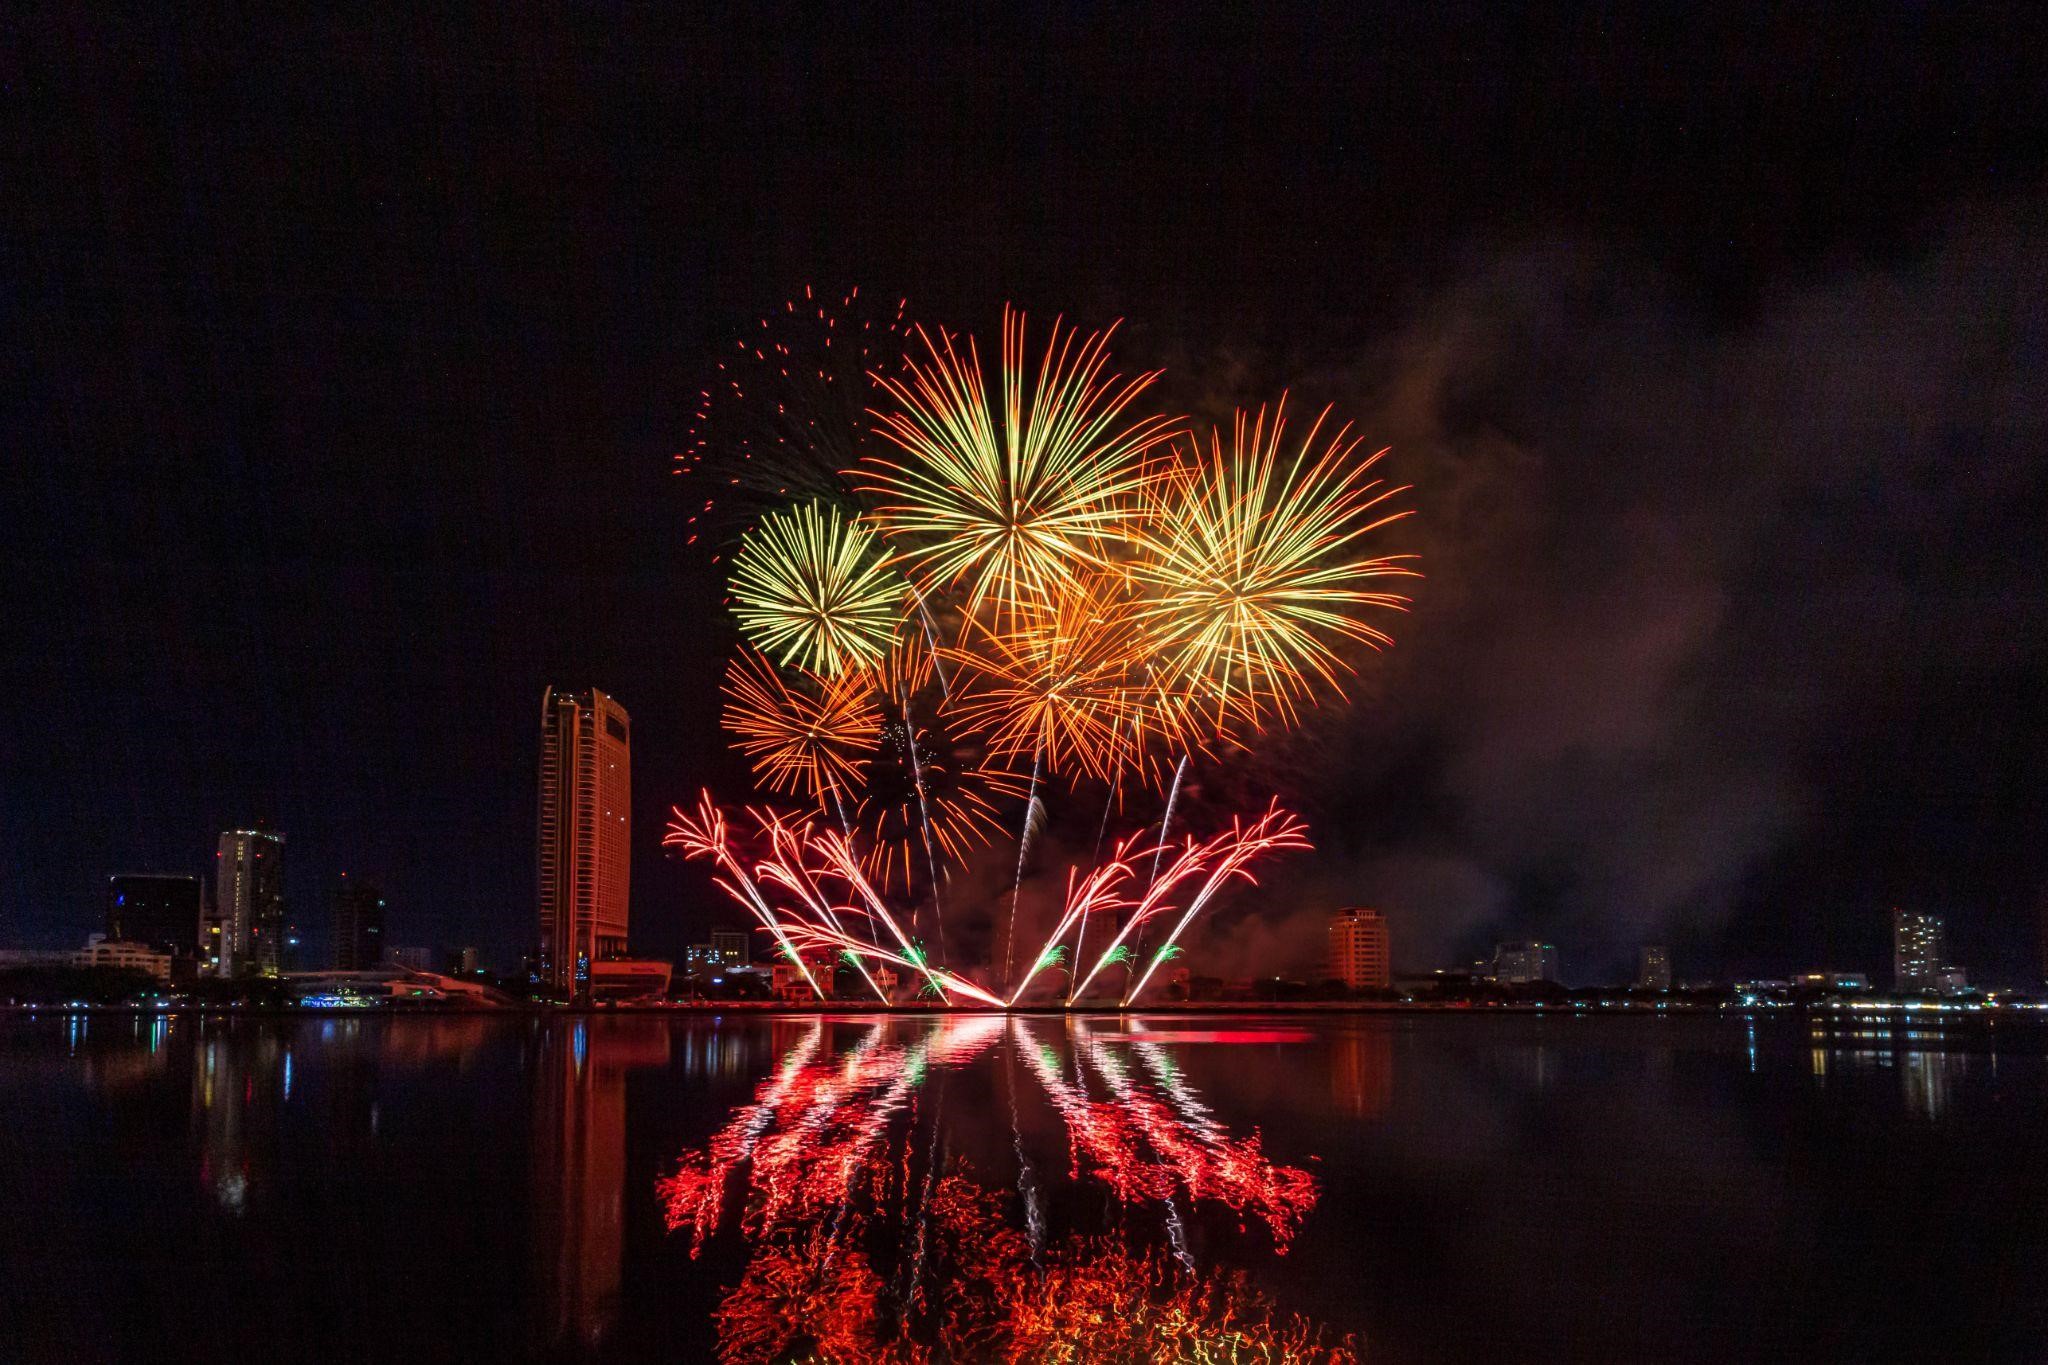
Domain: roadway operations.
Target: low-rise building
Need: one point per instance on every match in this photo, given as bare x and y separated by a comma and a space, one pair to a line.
101, 951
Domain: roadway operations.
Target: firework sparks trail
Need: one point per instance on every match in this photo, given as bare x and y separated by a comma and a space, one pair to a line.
786, 869
1193, 856
804, 740
924, 818
785, 412
1033, 817
705, 835
1095, 891
1276, 830
838, 855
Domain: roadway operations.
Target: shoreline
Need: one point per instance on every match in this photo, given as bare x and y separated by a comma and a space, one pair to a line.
1930, 1015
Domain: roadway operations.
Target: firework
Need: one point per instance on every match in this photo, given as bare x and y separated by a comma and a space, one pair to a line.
706, 835
810, 588
785, 411
1059, 687
1040, 598
804, 740
1249, 567
1013, 493
1215, 861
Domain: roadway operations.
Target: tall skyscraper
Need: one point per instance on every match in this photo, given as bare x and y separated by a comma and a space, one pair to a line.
1358, 949
585, 832
1919, 951
358, 926
161, 911
248, 902
1653, 969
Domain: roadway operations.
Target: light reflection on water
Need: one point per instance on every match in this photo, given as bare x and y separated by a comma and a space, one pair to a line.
760, 1188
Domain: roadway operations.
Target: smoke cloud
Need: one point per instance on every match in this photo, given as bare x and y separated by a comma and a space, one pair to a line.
1674, 562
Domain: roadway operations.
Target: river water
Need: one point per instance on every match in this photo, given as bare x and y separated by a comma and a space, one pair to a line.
765, 1188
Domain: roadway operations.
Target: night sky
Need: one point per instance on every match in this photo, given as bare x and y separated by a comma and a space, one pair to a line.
345, 360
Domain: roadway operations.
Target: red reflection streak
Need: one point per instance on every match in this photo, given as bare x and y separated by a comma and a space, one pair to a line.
827, 1193
1145, 1151
810, 1130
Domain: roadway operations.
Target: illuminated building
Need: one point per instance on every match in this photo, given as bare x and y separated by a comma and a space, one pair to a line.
585, 791
1522, 964
1832, 981
358, 926
1653, 969
248, 903
161, 911
1919, 951
731, 948
101, 951
700, 957
1358, 949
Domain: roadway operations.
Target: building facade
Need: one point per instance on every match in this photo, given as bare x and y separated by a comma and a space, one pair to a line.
584, 835
245, 931
358, 926
159, 910
1523, 964
1919, 951
1653, 969
1359, 950
101, 951
731, 948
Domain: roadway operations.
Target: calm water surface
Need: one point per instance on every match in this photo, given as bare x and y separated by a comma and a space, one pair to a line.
1393, 1188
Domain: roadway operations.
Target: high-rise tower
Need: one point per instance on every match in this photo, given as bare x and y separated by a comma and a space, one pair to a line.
358, 926
585, 830
1358, 949
1919, 951
248, 903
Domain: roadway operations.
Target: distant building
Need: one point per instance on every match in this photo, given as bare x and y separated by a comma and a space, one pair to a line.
732, 948
248, 904
413, 959
461, 961
1522, 964
1653, 969
1919, 951
1358, 949
101, 951
358, 926
618, 978
585, 796
1832, 981
700, 957
157, 909
1952, 980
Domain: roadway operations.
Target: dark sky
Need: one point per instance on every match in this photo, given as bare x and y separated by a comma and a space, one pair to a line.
344, 361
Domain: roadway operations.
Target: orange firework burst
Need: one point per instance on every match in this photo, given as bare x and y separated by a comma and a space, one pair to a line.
804, 740
1010, 496
1060, 687
1249, 568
